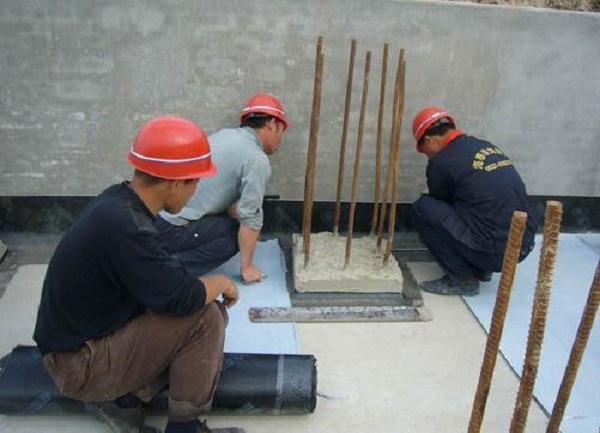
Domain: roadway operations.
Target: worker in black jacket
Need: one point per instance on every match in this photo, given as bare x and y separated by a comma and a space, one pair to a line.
464, 220
119, 319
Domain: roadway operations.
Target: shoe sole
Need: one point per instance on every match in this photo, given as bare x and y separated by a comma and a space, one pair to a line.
472, 293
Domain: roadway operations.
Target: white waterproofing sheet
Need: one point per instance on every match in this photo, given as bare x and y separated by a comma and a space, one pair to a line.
243, 336
575, 266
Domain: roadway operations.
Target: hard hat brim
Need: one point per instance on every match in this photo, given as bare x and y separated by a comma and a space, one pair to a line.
183, 171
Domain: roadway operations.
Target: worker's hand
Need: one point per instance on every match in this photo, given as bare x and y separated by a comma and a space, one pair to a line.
220, 285
230, 292
251, 274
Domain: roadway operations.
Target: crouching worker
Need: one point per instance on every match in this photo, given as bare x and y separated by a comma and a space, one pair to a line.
227, 215
119, 319
464, 220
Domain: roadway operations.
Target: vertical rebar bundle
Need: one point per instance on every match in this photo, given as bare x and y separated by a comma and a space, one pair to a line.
392, 175
379, 142
389, 173
581, 340
397, 129
538, 315
361, 127
336, 214
309, 180
511, 259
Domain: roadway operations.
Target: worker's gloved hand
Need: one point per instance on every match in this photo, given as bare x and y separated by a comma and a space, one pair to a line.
252, 274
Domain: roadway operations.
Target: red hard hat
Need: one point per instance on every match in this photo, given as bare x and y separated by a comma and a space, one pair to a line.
172, 147
427, 117
266, 104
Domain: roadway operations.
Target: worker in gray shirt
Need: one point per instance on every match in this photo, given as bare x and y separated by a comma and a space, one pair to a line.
225, 215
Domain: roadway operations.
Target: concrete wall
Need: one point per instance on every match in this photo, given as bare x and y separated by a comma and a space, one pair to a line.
77, 79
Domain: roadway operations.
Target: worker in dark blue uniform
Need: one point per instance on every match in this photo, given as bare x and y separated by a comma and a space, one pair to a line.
464, 220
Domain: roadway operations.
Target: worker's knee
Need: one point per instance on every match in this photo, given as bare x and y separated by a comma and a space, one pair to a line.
420, 212
230, 243
213, 318
428, 212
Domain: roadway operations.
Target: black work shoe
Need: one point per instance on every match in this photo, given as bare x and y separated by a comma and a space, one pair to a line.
129, 420
484, 276
444, 286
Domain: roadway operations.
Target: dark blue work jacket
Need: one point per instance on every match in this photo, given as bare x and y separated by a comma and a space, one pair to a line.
480, 181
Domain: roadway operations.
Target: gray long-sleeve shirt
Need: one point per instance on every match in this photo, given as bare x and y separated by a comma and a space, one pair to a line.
243, 170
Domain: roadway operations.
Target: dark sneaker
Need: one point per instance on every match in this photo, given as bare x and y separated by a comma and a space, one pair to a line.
444, 286
130, 420
484, 276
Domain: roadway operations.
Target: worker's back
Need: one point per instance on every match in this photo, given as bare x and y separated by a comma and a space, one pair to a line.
482, 184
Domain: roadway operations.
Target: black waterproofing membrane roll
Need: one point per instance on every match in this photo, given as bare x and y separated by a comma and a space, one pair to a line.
249, 384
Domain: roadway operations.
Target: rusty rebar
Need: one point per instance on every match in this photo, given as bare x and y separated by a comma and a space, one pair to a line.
512, 253
389, 172
361, 127
581, 340
379, 141
309, 180
538, 315
342, 162
396, 169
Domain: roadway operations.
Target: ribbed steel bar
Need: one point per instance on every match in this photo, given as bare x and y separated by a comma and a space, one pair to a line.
379, 141
396, 169
342, 161
512, 253
309, 180
581, 340
359, 140
554, 211
389, 173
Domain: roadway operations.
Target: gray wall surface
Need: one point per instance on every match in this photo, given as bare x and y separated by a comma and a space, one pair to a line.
78, 78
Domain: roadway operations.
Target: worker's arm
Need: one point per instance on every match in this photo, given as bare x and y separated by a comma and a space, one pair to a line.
248, 210
247, 239
220, 285
439, 182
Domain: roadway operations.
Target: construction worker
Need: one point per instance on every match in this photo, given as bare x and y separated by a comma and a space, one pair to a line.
225, 215
119, 318
464, 220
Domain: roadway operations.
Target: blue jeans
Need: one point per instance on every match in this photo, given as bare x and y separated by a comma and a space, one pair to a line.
201, 245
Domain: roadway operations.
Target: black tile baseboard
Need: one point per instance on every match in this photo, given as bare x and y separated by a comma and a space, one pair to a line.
47, 214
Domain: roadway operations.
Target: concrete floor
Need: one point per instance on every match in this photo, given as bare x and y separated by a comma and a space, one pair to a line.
385, 377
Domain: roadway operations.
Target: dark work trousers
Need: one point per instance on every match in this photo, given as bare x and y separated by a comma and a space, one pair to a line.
142, 357
201, 245
457, 260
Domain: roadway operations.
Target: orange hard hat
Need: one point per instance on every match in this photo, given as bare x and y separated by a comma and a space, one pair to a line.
427, 117
265, 103
172, 147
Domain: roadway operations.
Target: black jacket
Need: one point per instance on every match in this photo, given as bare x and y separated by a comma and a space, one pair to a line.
480, 181
109, 267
